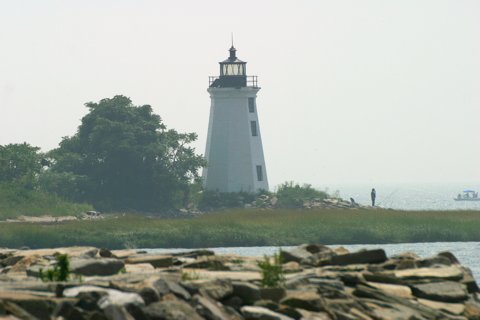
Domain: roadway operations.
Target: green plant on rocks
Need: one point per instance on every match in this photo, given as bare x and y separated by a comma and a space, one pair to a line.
60, 272
272, 271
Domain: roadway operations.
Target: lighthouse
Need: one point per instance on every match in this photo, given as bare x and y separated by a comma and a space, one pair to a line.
234, 151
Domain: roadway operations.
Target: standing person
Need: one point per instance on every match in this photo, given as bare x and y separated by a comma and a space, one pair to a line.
373, 195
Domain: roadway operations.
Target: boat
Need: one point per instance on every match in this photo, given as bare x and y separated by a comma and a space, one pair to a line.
468, 195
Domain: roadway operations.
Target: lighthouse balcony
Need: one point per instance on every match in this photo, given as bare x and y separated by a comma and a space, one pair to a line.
232, 81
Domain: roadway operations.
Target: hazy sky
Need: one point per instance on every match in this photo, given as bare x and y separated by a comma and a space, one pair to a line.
368, 92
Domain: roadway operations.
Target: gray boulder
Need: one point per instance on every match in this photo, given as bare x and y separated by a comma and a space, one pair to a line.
248, 292
260, 313
211, 309
171, 310
446, 291
360, 257
216, 289
307, 300
96, 267
156, 260
164, 287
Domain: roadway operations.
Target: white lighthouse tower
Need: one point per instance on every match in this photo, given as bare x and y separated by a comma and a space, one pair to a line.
234, 152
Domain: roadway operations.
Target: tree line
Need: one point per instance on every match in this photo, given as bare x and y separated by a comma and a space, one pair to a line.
122, 157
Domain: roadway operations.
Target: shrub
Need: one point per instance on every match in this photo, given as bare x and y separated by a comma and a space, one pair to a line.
292, 195
60, 272
219, 200
272, 271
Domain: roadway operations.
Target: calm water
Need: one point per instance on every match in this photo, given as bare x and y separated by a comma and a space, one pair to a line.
410, 197
468, 253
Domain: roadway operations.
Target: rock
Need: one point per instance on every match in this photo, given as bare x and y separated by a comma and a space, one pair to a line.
390, 307
260, 313
67, 310
37, 306
307, 300
433, 261
360, 257
405, 264
216, 289
157, 261
470, 281
393, 289
88, 300
273, 294
210, 263
164, 287
233, 302
308, 315
445, 273
210, 309
382, 310
105, 253
306, 254
472, 309
139, 268
248, 292
124, 253
15, 312
289, 312
195, 253
10, 261
296, 254
450, 256
291, 267
341, 250
329, 288
115, 312
109, 296
149, 295
446, 291
96, 267
454, 308
269, 304
171, 310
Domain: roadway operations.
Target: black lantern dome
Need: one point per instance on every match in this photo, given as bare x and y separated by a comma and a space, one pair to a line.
233, 73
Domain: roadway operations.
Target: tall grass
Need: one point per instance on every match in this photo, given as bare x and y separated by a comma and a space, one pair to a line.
251, 228
16, 201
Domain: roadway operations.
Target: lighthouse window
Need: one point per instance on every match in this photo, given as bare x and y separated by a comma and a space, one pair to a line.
251, 105
259, 173
253, 127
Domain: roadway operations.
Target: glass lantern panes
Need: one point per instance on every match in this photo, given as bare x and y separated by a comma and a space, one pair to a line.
233, 69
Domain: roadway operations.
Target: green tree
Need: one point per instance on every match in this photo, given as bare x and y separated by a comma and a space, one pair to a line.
20, 164
124, 158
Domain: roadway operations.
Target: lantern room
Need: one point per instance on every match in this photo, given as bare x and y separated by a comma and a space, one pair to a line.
233, 66
233, 73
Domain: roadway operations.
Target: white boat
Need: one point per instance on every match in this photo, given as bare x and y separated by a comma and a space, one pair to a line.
468, 195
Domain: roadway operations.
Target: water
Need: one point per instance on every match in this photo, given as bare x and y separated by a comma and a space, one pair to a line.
466, 252
410, 197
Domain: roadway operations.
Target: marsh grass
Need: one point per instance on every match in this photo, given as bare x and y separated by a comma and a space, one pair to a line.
251, 228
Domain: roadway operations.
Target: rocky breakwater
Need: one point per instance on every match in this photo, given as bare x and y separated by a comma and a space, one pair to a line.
311, 282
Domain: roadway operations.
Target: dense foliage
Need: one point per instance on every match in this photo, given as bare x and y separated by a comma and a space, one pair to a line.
22, 168
20, 164
124, 158
292, 195
17, 200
